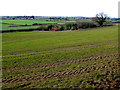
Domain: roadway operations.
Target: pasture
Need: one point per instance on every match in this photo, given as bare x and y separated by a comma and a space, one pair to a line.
15, 24
23, 22
62, 59
9, 27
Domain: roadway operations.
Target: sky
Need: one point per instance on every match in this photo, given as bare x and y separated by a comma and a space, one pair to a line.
87, 8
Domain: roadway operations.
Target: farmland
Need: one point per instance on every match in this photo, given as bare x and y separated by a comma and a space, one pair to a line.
15, 24
8, 27
62, 59
23, 22
47, 23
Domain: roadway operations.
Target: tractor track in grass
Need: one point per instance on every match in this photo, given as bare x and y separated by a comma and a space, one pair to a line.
60, 63
61, 74
62, 49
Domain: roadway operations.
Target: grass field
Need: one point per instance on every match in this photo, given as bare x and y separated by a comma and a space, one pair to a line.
6, 24
7, 27
23, 22
30, 22
62, 59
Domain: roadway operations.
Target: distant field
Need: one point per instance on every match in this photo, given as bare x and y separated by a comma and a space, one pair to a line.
70, 21
115, 20
84, 20
7, 23
62, 59
23, 22
26, 22
30, 22
7, 27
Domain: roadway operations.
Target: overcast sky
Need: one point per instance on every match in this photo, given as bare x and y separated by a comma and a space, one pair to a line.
58, 7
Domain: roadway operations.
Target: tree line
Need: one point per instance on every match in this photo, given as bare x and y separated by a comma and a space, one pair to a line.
100, 20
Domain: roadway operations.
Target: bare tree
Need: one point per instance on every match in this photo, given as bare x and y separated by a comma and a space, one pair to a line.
100, 18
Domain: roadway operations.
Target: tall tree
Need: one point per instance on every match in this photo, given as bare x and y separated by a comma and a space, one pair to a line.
100, 18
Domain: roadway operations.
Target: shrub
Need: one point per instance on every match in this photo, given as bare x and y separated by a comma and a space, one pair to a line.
35, 24
43, 28
108, 23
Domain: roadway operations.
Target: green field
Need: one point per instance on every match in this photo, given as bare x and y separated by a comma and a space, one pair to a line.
23, 22
62, 59
7, 27
6, 24
30, 22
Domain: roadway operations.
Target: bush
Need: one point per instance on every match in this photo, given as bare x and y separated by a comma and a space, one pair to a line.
108, 23
68, 26
35, 24
87, 25
43, 28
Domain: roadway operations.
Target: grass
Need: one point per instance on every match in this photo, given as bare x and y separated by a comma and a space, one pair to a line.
77, 80
39, 71
26, 22
70, 21
51, 57
7, 27
29, 49
33, 41
30, 22
23, 22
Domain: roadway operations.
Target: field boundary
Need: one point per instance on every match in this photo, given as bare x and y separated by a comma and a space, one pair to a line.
20, 30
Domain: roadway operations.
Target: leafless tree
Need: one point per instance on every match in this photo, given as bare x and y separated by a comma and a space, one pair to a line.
100, 18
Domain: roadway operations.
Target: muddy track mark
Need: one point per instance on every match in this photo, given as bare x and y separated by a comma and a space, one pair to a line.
89, 69
62, 63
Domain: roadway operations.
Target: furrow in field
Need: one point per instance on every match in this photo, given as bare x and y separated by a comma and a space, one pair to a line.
63, 49
61, 63
60, 74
